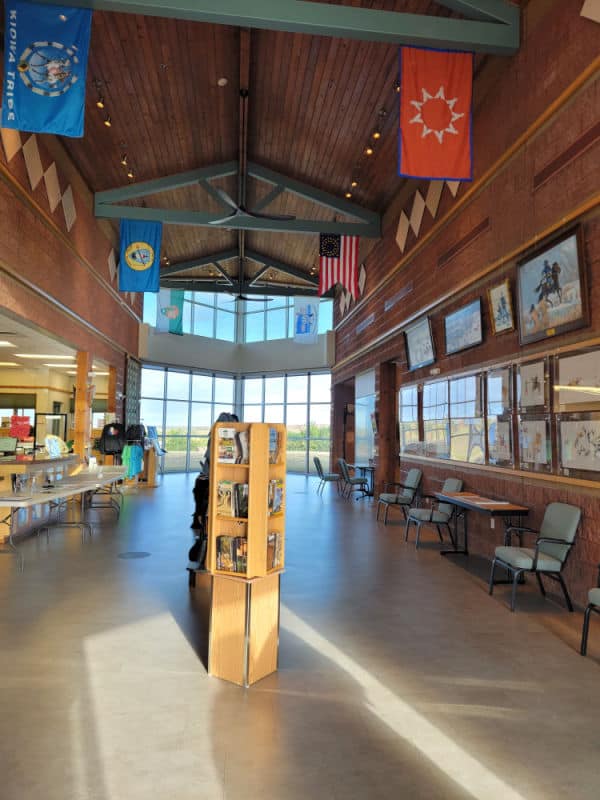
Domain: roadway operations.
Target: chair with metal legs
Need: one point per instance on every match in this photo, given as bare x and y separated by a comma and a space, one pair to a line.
404, 498
554, 542
352, 484
593, 605
325, 477
437, 513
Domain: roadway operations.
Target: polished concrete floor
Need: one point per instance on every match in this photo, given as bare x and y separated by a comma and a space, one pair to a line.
399, 677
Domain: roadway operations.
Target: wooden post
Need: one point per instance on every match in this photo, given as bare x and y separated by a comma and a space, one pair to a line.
111, 406
82, 405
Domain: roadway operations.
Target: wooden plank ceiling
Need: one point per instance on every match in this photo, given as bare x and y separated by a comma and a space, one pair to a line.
313, 105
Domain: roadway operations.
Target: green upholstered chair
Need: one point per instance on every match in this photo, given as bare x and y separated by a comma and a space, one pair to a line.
405, 498
434, 513
552, 547
325, 477
352, 484
593, 605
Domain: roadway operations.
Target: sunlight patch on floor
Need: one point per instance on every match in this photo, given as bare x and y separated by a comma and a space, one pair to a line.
455, 762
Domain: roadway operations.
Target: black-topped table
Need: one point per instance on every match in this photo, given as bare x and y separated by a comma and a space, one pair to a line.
468, 501
367, 471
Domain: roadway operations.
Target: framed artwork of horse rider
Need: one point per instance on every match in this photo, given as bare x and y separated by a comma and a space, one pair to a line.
551, 282
501, 310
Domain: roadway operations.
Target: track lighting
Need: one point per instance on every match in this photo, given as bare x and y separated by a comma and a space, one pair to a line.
108, 121
124, 159
130, 173
348, 195
100, 101
368, 150
354, 183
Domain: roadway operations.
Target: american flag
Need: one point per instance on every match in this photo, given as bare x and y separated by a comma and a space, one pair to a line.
338, 262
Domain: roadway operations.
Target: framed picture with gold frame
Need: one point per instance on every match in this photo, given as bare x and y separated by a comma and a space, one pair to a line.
501, 308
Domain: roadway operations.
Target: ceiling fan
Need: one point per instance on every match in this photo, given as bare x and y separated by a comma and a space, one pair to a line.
240, 210
240, 296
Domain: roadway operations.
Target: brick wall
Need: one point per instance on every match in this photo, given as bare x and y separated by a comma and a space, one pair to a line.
529, 179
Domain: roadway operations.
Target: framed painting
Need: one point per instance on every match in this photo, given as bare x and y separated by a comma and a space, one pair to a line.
501, 308
463, 327
419, 345
533, 386
551, 283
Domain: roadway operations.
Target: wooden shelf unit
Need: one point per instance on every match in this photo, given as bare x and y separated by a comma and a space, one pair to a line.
244, 621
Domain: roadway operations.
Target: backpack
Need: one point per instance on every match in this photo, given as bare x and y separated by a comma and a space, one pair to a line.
112, 439
135, 433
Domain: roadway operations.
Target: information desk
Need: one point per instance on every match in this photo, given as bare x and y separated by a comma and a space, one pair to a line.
467, 501
29, 511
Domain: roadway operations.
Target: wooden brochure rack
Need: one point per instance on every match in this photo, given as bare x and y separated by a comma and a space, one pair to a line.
246, 554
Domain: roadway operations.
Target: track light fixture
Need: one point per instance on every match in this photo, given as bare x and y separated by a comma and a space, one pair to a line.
124, 159
130, 173
348, 195
108, 121
100, 101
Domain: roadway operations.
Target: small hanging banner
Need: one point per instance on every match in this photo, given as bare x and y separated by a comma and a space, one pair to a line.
169, 311
139, 263
45, 62
306, 320
435, 114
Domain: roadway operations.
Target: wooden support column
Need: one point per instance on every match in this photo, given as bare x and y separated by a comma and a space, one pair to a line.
82, 404
112, 391
387, 413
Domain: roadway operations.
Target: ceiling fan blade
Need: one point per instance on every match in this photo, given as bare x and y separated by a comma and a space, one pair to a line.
275, 217
227, 199
233, 214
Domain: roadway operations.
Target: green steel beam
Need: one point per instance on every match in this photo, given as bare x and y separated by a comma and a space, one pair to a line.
182, 266
200, 285
171, 216
487, 10
280, 266
212, 192
313, 194
346, 22
268, 199
168, 183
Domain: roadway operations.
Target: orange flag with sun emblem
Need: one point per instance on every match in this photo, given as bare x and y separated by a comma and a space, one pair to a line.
435, 114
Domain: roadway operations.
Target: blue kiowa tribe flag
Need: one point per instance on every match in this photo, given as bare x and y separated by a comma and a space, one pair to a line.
45, 61
139, 263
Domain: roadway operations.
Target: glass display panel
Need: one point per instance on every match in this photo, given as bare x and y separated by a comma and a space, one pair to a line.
577, 386
500, 444
533, 386
499, 394
465, 397
535, 443
579, 445
467, 440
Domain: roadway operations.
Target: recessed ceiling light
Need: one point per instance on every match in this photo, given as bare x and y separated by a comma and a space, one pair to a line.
222, 82
100, 373
9, 364
4, 343
61, 366
41, 356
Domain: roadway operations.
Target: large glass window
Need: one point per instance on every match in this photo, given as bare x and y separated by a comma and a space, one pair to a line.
204, 314
303, 404
408, 418
182, 405
273, 318
436, 428
467, 437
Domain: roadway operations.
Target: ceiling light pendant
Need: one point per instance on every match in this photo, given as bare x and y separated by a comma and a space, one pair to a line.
108, 121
